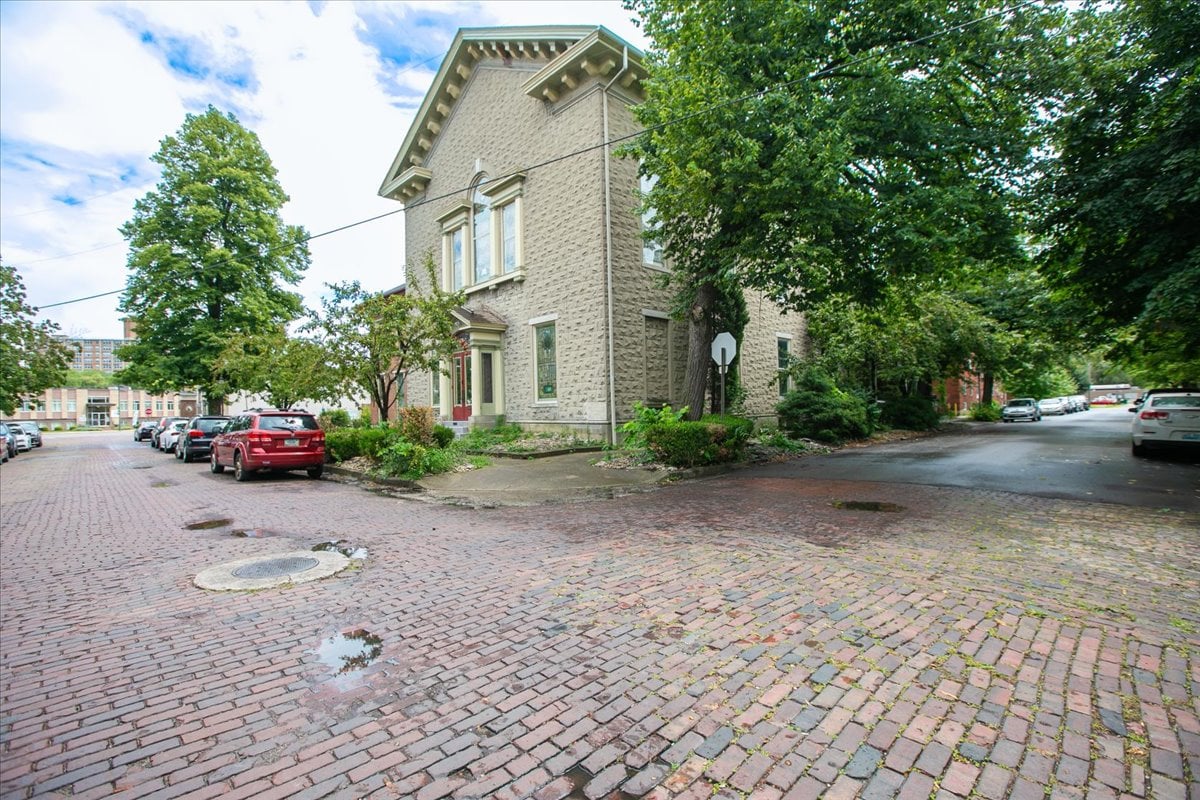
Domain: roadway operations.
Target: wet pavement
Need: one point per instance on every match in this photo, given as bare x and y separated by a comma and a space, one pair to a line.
747, 635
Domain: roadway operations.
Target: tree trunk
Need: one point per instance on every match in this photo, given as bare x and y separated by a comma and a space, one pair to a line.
695, 381
216, 403
989, 386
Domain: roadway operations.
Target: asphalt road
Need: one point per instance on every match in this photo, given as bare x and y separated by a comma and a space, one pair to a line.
1084, 456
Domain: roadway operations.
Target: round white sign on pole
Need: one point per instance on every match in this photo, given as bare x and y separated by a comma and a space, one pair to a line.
724, 342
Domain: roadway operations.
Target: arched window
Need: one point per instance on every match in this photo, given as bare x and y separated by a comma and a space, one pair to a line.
481, 229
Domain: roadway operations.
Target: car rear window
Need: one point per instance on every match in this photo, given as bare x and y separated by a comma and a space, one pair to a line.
285, 423
1178, 401
210, 425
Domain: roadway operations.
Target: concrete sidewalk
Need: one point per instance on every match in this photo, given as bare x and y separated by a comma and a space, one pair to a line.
531, 481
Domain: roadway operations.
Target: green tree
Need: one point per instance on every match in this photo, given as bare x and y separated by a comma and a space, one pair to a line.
903, 343
33, 357
285, 369
815, 150
89, 378
373, 340
1122, 187
208, 253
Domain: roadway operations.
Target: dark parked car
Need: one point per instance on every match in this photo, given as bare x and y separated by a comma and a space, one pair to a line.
163, 424
195, 443
270, 440
145, 430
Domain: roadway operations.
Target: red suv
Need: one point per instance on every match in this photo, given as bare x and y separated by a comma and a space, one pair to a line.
269, 440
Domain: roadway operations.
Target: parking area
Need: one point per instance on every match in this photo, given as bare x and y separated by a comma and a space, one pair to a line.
740, 636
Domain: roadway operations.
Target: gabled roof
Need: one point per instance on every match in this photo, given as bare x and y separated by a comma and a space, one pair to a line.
566, 56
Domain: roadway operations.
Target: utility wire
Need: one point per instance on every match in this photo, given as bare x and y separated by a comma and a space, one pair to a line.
823, 72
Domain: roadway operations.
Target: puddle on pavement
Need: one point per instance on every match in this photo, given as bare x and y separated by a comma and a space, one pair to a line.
341, 546
578, 776
350, 651
251, 533
865, 505
207, 525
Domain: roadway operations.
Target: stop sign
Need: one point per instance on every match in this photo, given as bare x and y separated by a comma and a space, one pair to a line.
724, 348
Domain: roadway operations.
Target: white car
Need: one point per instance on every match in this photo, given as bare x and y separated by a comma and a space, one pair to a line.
1167, 419
170, 437
20, 438
1052, 406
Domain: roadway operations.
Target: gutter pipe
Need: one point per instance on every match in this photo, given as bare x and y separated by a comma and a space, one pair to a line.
608, 256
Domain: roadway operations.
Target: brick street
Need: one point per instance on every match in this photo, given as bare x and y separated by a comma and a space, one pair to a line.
738, 636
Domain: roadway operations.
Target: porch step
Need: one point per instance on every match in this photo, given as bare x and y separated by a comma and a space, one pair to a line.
459, 427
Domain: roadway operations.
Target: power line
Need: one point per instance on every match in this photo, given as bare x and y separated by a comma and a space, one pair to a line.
825, 71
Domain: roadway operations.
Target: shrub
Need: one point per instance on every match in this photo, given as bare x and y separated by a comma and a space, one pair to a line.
909, 413
740, 429
985, 412
692, 444
416, 424
442, 435
333, 418
409, 460
818, 409
347, 443
645, 418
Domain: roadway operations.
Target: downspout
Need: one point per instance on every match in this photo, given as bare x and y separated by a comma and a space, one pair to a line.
608, 256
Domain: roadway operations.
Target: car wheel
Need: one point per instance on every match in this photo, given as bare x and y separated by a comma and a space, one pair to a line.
239, 472
316, 472
1139, 450
213, 465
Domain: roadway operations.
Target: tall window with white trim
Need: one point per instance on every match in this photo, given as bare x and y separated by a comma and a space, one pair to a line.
481, 228
545, 360
652, 252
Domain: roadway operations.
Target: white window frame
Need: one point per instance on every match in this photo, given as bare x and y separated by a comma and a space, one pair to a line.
535, 325
504, 197
652, 257
782, 373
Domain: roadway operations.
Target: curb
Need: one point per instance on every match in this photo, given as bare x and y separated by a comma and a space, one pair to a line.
536, 454
397, 482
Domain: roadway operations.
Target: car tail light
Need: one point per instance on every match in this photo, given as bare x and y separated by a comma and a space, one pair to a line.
195, 434
258, 438
1154, 415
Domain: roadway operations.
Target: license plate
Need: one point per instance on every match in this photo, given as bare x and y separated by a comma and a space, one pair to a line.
1191, 437
291, 442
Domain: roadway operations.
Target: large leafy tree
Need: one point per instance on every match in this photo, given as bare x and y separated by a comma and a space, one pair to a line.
374, 340
1122, 190
285, 369
209, 256
903, 343
816, 150
33, 357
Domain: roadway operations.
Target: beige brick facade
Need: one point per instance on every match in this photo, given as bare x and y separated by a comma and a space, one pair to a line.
520, 100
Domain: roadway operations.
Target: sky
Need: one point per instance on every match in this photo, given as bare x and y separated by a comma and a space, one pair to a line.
89, 90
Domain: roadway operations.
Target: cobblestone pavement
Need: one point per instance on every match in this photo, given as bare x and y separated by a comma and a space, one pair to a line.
741, 636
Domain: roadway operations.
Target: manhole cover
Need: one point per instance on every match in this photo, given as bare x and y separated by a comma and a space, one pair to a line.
275, 567
866, 505
270, 571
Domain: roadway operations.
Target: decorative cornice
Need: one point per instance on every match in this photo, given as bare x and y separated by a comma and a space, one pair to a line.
562, 55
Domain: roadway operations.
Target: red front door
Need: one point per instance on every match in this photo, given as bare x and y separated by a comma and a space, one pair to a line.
460, 386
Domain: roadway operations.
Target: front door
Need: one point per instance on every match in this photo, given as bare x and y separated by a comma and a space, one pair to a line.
460, 386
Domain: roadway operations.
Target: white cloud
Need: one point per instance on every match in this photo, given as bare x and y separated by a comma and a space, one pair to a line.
89, 91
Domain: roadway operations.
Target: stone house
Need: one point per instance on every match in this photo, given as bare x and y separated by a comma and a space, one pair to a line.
508, 183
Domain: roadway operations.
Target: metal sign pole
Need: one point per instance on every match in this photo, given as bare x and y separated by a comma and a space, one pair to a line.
723, 369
